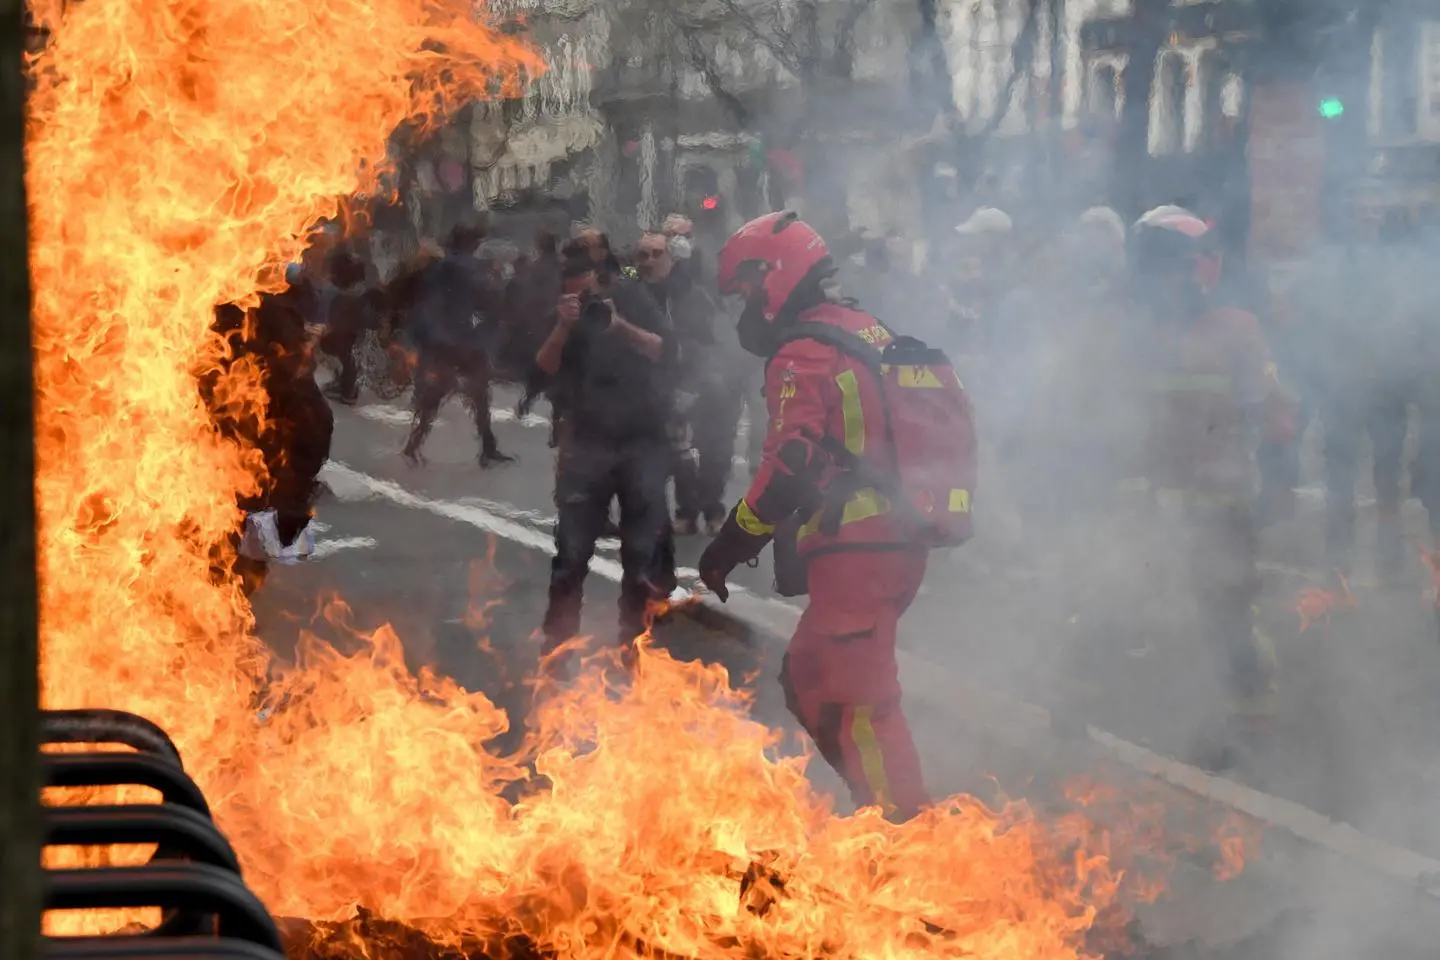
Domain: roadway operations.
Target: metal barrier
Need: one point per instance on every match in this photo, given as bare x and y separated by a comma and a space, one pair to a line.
193, 888
182, 834
107, 726
194, 875
124, 769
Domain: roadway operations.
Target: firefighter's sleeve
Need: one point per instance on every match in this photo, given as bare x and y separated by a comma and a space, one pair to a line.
798, 382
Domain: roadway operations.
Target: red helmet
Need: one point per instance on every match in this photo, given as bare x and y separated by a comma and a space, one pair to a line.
772, 254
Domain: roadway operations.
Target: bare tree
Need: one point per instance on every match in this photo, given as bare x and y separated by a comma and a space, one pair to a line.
814, 42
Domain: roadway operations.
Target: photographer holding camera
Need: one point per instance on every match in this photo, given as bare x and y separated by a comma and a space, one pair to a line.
611, 358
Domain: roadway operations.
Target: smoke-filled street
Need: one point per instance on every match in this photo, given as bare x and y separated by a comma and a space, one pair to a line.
456, 560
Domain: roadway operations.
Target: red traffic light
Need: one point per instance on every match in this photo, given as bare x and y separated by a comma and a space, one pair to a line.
710, 203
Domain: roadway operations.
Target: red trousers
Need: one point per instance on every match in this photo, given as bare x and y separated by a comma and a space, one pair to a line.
841, 679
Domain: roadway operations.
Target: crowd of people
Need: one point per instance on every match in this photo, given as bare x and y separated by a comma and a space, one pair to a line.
1110, 358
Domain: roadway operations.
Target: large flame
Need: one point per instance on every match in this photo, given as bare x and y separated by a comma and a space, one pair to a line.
177, 151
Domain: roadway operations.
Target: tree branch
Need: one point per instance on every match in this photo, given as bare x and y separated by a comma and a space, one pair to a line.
843, 62
701, 61
1022, 52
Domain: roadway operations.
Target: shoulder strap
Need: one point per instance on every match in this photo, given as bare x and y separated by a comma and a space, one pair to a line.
849, 343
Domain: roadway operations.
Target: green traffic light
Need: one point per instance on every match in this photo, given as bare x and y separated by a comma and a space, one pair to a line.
1330, 108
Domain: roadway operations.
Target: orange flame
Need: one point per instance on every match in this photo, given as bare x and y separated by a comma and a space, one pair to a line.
1317, 605
1431, 559
177, 152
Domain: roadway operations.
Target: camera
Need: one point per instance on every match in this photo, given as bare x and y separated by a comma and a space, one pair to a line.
595, 314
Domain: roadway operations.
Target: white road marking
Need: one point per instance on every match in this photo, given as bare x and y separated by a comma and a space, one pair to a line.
348, 483
385, 413
507, 415
543, 522
400, 416
328, 548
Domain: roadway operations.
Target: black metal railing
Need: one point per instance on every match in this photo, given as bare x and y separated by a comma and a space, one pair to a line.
193, 876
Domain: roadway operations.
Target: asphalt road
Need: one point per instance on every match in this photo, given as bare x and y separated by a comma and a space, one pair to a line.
1095, 632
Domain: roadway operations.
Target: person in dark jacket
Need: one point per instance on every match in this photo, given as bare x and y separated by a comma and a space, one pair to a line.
294, 438
456, 303
611, 359
536, 291
346, 317
708, 402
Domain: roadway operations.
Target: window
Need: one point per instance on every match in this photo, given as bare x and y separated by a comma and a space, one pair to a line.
1167, 131
1427, 114
1105, 92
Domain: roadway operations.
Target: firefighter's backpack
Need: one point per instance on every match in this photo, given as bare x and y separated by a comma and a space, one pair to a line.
931, 427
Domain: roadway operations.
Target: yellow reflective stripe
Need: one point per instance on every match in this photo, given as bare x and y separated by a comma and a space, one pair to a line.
872, 760
922, 377
863, 505
750, 523
931, 380
959, 501
851, 410
809, 526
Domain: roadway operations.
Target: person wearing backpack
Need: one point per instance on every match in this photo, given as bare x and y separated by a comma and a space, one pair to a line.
869, 462
1217, 404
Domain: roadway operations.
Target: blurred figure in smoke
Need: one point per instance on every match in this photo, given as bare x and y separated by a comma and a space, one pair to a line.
1366, 311
835, 538
679, 235
1220, 401
710, 397
346, 317
457, 303
535, 291
294, 439
1064, 390
727, 364
979, 260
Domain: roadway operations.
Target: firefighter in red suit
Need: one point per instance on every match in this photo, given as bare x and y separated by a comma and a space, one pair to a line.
1218, 403
840, 674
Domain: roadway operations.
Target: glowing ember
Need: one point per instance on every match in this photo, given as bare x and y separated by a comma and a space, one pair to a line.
1317, 605
178, 152
1431, 559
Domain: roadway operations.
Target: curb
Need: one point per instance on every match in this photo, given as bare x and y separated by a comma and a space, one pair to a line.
757, 620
